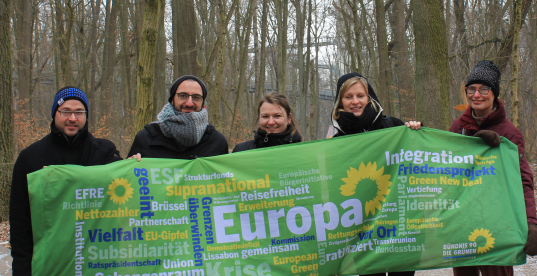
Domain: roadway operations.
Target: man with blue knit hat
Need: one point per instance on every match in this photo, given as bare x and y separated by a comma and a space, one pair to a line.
182, 129
68, 142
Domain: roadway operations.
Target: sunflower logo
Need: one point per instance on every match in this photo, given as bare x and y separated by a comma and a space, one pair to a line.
485, 234
120, 190
367, 176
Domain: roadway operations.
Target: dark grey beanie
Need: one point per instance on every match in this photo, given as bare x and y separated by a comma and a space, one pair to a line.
178, 81
486, 73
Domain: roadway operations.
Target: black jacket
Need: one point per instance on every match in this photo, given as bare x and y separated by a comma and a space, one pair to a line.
262, 140
53, 149
151, 142
382, 122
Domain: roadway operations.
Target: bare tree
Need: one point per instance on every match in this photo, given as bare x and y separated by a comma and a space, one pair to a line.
146, 65
432, 83
244, 40
517, 14
260, 89
95, 7
383, 90
6, 108
301, 95
402, 68
159, 87
506, 49
105, 97
187, 51
23, 39
282, 14
64, 24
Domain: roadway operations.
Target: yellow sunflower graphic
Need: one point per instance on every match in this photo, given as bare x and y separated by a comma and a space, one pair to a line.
370, 174
485, 234
120, 190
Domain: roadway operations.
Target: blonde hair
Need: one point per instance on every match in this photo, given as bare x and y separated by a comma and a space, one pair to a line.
348, 83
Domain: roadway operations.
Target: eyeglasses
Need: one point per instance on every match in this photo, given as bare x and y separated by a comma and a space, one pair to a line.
67, 114
484, 90
184, 96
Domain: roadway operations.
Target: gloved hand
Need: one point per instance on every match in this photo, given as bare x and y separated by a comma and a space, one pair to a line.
531, 245
490, 137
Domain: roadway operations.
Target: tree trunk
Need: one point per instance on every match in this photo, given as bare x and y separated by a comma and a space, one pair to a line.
282, 14
357, 41
348, 36
108, 62
307, 88
186, 40
506, 49
64, 22
244, 40
139, 6
460, 38
432, 72
260, 89
23, 38
447, 13
369, 44
531, 137
300, 94
219, 48
146, 65
126, 84
384, 74
92, 94
6, 109
125, 118
402, 66
314, 122
159, 92
218, 53
517, 14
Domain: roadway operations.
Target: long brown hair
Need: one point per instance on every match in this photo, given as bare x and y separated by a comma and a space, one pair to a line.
281, 101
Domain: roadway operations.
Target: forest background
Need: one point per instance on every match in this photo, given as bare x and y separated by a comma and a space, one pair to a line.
125, 54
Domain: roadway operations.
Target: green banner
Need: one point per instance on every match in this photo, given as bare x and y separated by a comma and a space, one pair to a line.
388, 200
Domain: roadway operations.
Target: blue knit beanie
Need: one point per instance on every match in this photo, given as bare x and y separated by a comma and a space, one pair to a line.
68, 93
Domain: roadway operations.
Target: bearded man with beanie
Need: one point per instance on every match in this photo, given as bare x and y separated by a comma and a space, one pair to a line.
182, 129
68, 142
485, 118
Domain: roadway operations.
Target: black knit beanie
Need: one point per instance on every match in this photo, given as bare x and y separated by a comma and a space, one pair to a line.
183, 78
345, 77
486, 73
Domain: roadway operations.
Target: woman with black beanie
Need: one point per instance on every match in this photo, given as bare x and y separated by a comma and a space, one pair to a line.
357, 109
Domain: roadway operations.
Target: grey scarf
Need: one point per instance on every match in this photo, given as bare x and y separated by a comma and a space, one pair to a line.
186, 129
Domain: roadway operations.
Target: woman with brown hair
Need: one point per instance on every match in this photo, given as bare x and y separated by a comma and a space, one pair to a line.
276, 124
485, 117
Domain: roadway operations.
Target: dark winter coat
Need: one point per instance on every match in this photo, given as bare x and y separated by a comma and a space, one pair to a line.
53, 149
498, 122
382, 122
262, 140
151, 142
